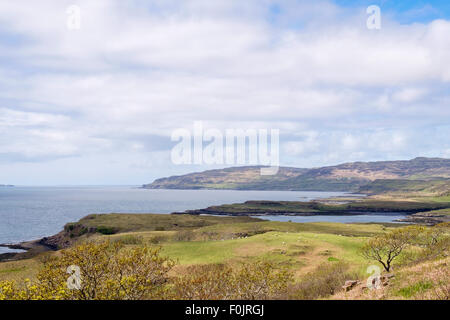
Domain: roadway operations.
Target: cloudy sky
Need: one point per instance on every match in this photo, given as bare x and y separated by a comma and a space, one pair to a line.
97, 105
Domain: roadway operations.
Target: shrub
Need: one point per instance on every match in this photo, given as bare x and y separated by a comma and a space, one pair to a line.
434, 242
249, 281
8, 290
204, 282
436, 277
69, 227
441, 289
130, 239
326, 280
184, 235
159, 238
331, 259
106, 230
107, 271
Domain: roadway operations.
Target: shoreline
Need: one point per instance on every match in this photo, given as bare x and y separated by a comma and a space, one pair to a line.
32, 248
413, 212
293, 214
328, 207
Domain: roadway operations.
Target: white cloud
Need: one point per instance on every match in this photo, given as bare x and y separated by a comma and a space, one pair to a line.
137, 71
409, 94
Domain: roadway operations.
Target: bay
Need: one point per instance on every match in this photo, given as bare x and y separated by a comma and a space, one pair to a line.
28, 213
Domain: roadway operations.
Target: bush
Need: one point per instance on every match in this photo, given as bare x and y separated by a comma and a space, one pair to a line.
69, 227
106, 230
130, 239
107, 271
326, 280
434, 242
331, 259
249, 281
8, 290
159, 239
184, 235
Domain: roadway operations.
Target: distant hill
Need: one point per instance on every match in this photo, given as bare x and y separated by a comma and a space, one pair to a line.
401, 186
370, 177
234, 178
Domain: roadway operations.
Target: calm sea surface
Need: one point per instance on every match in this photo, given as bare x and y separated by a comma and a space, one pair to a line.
28, 213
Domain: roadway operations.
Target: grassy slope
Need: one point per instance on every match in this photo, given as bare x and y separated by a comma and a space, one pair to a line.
302, 251
425, 280
139, 222
434, 198
301, 246
19, 270
407, 187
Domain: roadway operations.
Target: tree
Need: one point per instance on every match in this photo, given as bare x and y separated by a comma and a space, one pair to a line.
388, 246
107, 270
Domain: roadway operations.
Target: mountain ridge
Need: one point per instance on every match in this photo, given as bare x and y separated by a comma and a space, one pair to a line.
350, 176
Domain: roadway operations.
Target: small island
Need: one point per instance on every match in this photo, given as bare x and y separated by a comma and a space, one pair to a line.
424, 212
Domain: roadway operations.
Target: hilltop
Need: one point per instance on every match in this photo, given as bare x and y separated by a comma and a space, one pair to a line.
430, 175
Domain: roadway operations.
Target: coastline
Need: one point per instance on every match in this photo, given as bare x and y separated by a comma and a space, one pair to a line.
327, 207
426, 219
32, 248
414, 212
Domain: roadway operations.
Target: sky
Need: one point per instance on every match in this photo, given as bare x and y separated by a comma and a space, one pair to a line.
97, 105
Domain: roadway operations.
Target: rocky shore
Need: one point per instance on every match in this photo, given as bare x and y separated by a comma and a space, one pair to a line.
271, 213
34, 247
426, 219
31, 248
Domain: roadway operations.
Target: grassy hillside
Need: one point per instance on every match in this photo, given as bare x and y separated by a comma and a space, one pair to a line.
423, 281
409, 187
316, 254
202, 240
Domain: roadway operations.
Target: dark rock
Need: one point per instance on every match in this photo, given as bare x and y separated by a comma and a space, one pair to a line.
350, 284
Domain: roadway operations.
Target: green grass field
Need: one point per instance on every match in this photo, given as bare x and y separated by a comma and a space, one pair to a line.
197, 240
435, 199
205, 240
302, 251
301, 246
